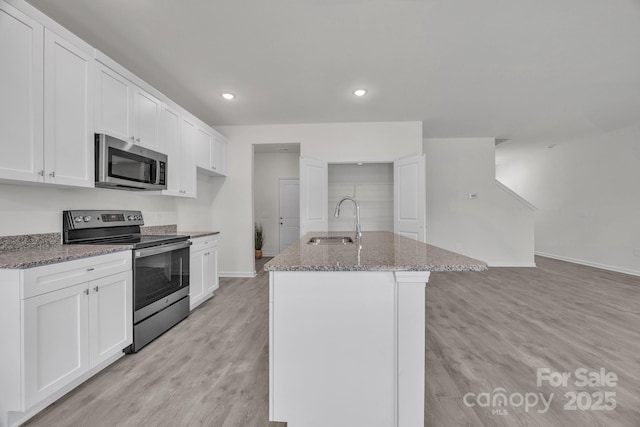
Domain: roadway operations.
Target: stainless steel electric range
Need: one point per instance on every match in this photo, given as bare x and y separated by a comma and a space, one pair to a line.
160, 267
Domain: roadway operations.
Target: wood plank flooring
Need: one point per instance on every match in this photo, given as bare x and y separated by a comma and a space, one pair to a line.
484, 331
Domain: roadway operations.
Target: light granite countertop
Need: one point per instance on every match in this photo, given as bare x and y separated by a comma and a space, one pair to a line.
35, 257
172, 229
34, 250
380, 251
195, 234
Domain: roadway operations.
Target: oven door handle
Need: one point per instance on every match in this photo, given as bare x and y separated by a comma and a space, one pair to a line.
141, 253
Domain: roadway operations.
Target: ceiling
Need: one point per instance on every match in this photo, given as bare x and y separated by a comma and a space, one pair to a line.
499, 68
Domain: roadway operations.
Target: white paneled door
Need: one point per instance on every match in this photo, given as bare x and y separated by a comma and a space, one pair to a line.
409, 197
313, 195
289, 208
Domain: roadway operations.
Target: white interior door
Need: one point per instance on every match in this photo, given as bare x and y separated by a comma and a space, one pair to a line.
289, 195
409, 197
313, 195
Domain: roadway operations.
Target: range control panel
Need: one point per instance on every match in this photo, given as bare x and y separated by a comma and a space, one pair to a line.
74, 220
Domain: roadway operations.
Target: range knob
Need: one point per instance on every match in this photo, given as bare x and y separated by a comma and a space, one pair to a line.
87, 218
130, 217
139, 217
78, 219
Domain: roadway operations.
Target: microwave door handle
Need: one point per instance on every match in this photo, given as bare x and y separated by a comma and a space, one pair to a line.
154, 172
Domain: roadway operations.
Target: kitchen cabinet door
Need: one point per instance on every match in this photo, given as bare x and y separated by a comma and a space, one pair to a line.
211, 270
21, 102
187, 172
146, 118
204, 269
170, 145
219, 155
110, 316
114, 109
56, 347
203, 142
211, 150
197, 268
68, 113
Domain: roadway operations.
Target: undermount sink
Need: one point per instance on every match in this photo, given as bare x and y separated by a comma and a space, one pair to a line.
330, 240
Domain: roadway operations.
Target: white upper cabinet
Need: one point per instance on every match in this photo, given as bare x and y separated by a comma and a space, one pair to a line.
114, 109
68, 113
21, 102
187, 172
146, 118
211, 149
170, 145
203, 141
56, 91
124, 110
46, 107
177, 133
219, 154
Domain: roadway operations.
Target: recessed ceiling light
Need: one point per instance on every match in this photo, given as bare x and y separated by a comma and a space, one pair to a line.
228, 96
359, 92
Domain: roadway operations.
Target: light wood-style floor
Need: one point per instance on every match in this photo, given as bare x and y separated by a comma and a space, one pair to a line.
484, 331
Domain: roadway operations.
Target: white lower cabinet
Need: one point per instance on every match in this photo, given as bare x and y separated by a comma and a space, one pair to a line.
203, 280
110, 316
56, 341
61, 324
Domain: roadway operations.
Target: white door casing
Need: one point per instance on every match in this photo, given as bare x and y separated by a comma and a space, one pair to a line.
289, 211
313, 195
409, 197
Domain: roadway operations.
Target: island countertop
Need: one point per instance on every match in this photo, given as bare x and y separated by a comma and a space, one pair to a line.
378, 251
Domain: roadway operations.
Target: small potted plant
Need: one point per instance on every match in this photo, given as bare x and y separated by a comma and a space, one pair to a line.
259, 240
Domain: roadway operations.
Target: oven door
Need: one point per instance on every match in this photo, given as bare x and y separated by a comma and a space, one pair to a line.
160, 278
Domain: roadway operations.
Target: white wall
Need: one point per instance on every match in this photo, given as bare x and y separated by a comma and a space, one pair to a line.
495, 227
268, 168
30, 209
587, 193
371, 184
336, 142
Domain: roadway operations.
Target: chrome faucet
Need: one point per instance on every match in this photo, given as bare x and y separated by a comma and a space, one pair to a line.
355, 202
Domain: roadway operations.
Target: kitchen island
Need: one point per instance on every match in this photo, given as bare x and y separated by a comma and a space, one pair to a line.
347, 330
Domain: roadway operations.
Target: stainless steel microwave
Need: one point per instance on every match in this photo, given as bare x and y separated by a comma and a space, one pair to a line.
125, 166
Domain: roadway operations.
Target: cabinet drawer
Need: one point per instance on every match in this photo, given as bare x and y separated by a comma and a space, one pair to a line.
202, 243
49, 278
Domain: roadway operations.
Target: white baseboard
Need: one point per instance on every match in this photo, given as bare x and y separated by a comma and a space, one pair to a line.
590, 263
511, 264
240, 274
269, 254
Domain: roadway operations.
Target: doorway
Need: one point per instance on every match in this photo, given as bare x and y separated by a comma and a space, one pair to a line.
273, 164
